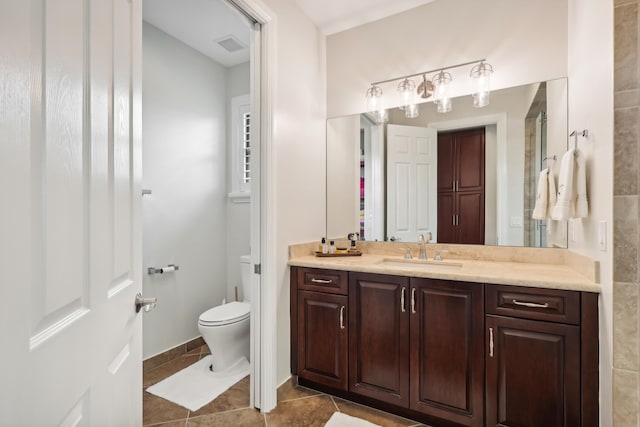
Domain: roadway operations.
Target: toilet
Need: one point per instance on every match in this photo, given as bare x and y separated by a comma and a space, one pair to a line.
225, 328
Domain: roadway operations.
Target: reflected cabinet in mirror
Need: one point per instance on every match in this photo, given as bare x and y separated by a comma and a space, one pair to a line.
468, 176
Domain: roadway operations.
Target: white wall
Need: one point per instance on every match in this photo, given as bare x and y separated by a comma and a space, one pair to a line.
184, 164
590, 67
524, 41
238, 214
298, 151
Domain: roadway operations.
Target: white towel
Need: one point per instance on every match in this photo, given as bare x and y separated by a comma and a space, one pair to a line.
545, 196
572, 188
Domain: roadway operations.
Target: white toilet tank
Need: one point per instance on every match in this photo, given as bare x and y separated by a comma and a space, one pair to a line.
245, 276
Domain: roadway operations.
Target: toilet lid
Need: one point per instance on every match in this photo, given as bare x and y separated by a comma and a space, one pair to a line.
227, 313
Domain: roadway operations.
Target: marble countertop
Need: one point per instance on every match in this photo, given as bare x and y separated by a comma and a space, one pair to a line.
558, 275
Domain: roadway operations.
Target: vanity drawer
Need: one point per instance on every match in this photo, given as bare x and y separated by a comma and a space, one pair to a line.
321, 280
551, 305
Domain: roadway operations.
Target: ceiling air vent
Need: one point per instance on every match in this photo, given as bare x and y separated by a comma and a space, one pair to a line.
230, 43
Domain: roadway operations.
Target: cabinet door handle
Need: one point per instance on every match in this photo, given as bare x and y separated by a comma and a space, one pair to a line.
453, 220
413, 301
314, 280
454, 186
457, 185
342, 317
402, 305
490, 342
457, 219
531, 304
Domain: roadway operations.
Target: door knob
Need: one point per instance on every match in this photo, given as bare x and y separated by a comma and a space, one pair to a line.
145, 303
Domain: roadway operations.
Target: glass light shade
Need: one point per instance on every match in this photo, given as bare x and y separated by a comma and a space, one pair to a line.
444, 105
412, 111
481, 80
406, 90
374, 99
441, 96
381, 116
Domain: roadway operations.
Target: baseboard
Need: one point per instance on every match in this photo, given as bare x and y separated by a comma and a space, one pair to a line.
162, 358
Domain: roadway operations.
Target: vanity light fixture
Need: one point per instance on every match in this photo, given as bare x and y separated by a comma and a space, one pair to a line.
438, 88
481, 76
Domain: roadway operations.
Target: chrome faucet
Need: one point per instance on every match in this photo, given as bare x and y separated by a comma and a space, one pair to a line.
422, 247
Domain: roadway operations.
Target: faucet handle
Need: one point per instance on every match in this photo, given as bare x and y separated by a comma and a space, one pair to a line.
438, 256
407, 253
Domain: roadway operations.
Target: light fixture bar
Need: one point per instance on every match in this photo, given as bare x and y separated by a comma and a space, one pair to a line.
428, 72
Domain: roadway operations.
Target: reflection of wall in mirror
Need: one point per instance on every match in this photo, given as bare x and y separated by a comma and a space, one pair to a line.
557, 131
343, 208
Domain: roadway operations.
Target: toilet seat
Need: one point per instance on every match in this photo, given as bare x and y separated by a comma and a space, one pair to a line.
225, 314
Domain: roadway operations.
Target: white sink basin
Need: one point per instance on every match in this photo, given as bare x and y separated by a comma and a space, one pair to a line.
421, 264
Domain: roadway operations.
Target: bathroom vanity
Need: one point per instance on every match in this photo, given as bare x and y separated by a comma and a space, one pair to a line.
458, 342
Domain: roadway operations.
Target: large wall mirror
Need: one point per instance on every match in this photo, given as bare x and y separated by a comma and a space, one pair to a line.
467, 176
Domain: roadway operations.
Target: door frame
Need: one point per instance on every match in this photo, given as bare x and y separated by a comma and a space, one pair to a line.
502, 179
264, 303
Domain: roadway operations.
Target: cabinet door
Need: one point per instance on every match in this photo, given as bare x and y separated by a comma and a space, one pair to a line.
447, 344
379, 337
446, 218
446, 163
322, 338
471, 158
470, 227
533, 373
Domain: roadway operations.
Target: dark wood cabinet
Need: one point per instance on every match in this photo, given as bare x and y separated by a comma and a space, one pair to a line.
379, 337
418, 343
448, 353
321, 329
447, 345
533, 375
461, 187
535, 357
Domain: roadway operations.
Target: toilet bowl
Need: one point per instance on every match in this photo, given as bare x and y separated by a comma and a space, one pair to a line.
225, 328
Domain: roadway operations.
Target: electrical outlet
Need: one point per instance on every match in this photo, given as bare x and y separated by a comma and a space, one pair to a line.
602, 235
516, 221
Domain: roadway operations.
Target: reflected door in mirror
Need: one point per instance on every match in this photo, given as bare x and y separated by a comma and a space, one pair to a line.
411, 182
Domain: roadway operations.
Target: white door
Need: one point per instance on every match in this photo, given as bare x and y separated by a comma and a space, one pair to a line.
70, 217
412, 187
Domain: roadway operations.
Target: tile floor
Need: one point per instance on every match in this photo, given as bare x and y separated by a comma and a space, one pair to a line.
297, 406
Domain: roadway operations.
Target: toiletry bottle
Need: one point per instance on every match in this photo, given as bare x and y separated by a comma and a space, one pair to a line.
332, 247
323, 246
353, 247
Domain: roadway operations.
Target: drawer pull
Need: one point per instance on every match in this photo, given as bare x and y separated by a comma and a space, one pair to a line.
342, 317
490, 342
324, 282
530, 304
413, 301
402, 307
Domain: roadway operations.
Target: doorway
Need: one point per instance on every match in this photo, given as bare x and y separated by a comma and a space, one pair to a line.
201, 164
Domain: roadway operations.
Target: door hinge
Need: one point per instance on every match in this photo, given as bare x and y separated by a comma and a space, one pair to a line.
257, 268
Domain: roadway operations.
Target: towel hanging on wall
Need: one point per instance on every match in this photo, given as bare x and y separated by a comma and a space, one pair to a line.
572, 187
545, 196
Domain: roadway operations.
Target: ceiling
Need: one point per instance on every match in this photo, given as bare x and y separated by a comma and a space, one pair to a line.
200, 23
333, 16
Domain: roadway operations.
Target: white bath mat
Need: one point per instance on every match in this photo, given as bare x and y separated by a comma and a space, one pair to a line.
195, 386
338, 419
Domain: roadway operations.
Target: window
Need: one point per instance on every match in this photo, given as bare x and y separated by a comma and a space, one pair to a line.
240, 146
